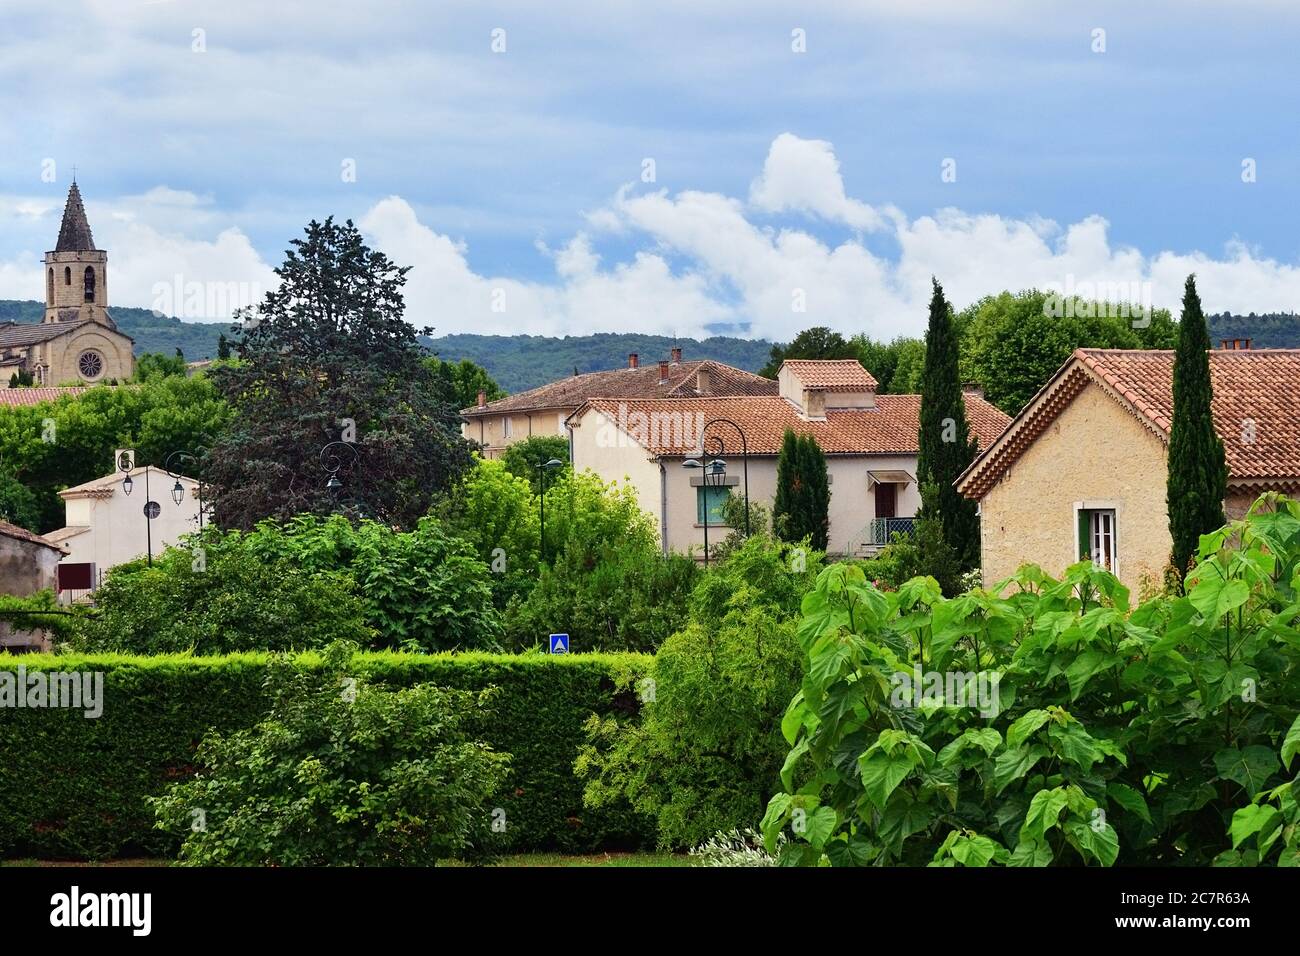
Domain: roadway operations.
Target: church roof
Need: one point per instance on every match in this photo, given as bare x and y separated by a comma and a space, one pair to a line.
74, 234
21, 334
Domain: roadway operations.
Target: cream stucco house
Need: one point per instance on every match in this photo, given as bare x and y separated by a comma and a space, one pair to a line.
1081, 471
543, 411
106, 526
870, 442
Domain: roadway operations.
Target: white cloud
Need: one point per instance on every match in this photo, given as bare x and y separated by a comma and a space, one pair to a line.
803, 175
679, 262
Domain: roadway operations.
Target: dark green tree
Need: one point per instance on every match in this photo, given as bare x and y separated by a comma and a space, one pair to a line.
465, 379
328, 356
946, 446
223, 346
1198, 474
803, 494
525, 458
818, 342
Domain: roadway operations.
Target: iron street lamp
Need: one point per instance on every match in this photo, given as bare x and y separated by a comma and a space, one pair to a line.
542, 469
744, 456
716, 469
151, 508
173, 465
335, 457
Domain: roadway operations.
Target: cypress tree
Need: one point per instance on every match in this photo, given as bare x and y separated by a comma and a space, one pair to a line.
788, 487
946, 447
1197, 471
818, 493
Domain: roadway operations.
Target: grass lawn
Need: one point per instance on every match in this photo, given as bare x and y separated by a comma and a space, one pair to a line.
520, 859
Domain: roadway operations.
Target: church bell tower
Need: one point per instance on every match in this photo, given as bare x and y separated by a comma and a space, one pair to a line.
76, 273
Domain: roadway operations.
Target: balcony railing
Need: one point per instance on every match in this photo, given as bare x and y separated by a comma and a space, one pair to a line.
884, 529
878, 533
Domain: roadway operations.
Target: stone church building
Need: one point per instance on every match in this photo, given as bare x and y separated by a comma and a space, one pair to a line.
78, 341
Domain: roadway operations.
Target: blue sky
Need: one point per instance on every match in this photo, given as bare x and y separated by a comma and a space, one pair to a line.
512, 180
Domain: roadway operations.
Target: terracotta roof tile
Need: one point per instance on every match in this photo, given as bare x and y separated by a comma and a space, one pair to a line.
15, 397
1256, 409
641, 382
670, 427
831, 373
22, 534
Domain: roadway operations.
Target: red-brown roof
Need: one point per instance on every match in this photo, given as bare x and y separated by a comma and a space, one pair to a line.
1256, 409
14, 397
641, 382
889, 428
831, 373
22, 534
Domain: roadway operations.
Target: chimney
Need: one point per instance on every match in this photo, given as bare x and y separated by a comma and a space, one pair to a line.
663, 372
677, 356
972, 388
1235, 345
702, 379
482, 398
631, 360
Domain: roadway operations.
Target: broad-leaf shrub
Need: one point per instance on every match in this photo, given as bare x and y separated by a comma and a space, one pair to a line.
421, 590
707, 751
218, 601
424, 589
618, 598
340, 772
1120, 735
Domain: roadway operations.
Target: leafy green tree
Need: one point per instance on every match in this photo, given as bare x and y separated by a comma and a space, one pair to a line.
156, 364
18, 503
328, 356
223, 347
706, 752
525, 458
363, 776
498, 514
1012, 344
1198, 473
818, 342
463, 380
71, 440
946, 446
802, 505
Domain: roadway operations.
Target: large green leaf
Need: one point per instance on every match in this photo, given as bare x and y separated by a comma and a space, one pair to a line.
1044, 813
1250, 767
1291, 745
1021, 730
1014, 764
1250, 820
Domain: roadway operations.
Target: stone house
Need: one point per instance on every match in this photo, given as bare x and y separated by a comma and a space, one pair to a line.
1081, 470
27, 565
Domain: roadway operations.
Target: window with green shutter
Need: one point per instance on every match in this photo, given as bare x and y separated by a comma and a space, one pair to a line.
710, 499
1098, 537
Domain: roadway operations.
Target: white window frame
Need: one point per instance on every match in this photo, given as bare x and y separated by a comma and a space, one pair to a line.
1095, 507
507, 427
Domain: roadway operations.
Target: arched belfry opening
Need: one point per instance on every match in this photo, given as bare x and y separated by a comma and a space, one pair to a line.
90, 284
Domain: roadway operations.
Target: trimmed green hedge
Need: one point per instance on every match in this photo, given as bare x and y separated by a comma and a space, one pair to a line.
74, 788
